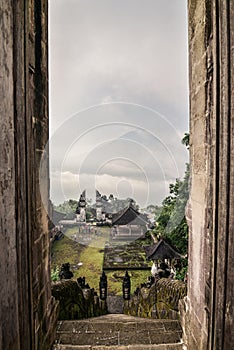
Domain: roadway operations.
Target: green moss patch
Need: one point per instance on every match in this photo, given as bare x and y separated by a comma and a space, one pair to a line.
129, 256
115, 279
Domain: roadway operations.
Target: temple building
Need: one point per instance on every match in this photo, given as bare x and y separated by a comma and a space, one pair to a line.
81, 208
99, 210
162, 251
128, 224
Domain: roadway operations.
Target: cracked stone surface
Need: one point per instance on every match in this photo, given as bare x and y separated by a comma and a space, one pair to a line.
118, 331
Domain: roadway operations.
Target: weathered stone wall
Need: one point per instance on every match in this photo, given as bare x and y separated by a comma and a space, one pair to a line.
208, 310
161, 300
26, 306
76, 303
27, 310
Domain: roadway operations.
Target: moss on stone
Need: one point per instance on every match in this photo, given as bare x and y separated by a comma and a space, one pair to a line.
74, 303
164, 297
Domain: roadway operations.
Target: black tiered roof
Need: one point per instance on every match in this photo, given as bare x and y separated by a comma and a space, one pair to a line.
162, 250
128, 215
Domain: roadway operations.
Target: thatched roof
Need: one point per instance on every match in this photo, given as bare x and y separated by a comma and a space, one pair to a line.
128, 215
57, 216
162, 250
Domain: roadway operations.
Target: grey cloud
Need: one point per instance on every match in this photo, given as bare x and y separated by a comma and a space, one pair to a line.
140, 48
130, 51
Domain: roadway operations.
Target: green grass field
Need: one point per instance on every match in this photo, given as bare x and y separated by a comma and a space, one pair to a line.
91, 257
66, 250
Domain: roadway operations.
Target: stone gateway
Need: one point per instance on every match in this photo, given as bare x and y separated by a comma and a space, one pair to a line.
28, 312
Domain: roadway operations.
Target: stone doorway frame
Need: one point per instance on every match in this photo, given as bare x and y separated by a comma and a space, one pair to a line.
27, 309
210, 211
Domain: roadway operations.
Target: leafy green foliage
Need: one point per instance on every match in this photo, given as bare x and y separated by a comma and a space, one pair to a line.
185, 140
68, 207
171, 222
182, 272
55, 274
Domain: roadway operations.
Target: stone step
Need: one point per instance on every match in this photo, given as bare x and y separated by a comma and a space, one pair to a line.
178, 346
117, 332
115, 304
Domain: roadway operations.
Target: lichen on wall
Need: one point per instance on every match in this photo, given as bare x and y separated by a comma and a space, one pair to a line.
76, 303
161, 300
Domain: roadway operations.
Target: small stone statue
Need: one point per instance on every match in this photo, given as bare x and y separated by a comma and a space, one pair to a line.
81, 282
150, 281
164, 270
65, 272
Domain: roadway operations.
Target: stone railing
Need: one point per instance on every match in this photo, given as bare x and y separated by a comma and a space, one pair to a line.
76, 303
161, 300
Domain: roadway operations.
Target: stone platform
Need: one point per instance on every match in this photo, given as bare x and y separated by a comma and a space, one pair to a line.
118, 331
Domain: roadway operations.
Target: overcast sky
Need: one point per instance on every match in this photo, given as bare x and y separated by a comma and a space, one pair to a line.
118, 97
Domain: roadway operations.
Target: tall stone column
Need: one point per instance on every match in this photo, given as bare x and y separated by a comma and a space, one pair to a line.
207, 314
27, 310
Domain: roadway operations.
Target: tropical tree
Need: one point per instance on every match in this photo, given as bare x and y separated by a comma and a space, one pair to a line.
171, 222
67, 207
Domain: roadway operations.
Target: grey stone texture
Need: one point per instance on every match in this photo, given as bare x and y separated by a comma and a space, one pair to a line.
124, 347
207, 312
76, 303
115, 304
118, 330
161, 300
27, 309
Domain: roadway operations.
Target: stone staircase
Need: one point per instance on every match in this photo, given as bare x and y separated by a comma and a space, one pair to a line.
115, 304
118, 332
